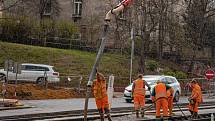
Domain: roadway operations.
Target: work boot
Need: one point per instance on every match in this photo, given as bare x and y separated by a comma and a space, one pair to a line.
165, 118
142, 112
101, 114
158, 118
102, 117
191, 113
109, 117
137, 113
107, 112
195, 115
170, 112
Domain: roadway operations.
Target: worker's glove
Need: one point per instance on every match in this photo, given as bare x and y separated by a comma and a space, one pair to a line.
192, 101
149, 88
153, 99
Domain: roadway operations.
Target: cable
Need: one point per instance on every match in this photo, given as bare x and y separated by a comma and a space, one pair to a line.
181, 111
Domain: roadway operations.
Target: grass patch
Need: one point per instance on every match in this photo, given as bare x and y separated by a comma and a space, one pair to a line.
73, 62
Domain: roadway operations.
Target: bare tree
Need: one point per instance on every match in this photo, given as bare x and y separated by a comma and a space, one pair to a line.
198, 14
147, 21
40, 8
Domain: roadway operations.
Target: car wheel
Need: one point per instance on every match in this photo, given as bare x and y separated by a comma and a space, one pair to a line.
176, 97
128, 100
40, 80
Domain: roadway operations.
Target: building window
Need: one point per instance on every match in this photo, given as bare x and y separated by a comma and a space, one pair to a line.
47, 7
77, 7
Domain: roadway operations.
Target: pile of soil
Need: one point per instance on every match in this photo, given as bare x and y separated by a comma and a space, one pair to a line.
37, 92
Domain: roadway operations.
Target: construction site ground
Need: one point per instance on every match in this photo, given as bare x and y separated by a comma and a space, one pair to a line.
38, 92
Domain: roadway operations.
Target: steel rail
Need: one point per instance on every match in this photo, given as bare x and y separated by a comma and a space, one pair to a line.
93, 114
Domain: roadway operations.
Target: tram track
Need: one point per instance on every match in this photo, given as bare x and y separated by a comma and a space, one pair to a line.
92, 115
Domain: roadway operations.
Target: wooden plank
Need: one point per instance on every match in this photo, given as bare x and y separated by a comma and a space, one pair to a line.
9, 102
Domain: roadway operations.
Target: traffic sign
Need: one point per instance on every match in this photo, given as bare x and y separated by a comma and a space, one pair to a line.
209, 74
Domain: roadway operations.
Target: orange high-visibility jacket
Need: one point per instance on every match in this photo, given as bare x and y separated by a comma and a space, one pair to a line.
170, 92
197, 93
139, 87
159, 90
99, 89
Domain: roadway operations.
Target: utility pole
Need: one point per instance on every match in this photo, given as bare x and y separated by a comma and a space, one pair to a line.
93, 71
132, 53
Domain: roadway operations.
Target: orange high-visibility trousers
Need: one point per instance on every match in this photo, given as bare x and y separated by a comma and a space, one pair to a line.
162, 102
102, 103
170, 104
139, 102
194, 107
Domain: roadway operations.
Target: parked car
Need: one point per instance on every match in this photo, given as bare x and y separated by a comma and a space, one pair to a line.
151, 80
33, 73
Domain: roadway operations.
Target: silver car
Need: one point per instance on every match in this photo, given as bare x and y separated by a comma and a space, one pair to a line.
33, 73
151, 80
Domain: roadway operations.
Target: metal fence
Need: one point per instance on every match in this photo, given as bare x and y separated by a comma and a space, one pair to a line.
77, 84
207, 86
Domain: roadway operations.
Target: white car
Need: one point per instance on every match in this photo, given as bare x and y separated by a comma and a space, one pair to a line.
151, 80
33, 73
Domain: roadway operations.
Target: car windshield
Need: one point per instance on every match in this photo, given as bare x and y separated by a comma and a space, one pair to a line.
151, 81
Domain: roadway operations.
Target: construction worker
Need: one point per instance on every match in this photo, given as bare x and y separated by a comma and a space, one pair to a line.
170, 93
101, 97
159, 96
138, 92
195, 99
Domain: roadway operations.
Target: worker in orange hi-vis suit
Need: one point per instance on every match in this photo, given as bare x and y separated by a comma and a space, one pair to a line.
101, 97
138, 92
159, 96
170, 93
195, 99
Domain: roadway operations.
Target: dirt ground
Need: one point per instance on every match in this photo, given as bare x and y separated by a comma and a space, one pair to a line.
37, 92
